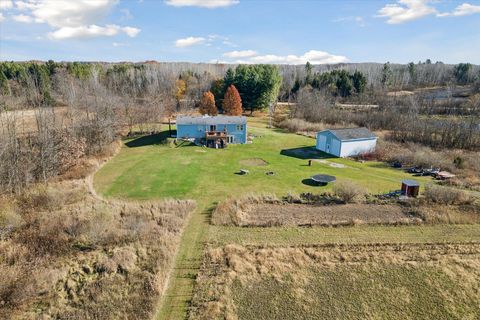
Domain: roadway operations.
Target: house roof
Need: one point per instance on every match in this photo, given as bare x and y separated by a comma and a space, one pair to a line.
211, 120
411, 183
352, 133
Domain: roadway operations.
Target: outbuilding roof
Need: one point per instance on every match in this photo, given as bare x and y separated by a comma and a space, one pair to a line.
411, 183
211, 120
352, 133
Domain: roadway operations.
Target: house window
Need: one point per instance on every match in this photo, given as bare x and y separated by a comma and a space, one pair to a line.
239, 127
213, 127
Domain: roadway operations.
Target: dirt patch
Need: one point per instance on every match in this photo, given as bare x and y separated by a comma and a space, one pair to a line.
343, 214
253, 162
332, 164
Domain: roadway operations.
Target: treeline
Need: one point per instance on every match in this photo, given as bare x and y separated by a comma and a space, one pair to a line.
356, 79
407, 120
337, 82
185, 83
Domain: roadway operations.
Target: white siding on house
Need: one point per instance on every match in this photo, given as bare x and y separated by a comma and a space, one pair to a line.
352, 148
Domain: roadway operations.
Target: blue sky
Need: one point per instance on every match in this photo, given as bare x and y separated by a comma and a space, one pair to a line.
251, 31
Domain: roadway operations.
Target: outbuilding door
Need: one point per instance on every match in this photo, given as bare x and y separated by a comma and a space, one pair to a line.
321, 144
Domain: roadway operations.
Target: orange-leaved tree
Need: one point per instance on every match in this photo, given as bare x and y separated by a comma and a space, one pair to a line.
232, 103
207, 104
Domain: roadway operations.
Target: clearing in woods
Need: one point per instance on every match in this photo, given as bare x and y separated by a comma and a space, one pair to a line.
148, 168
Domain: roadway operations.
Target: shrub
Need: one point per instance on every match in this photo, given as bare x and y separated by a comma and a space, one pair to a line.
447, 195
299, 125
348, 191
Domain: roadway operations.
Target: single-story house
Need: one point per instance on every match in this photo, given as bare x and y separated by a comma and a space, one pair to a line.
213, 131
346, 142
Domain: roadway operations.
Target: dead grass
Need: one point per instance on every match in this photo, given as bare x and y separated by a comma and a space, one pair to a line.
327, 210
349, 191
67, 255
253, 162
430, 281
263, 215
447, 195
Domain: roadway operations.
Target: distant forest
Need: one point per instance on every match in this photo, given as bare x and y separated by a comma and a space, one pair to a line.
181, 85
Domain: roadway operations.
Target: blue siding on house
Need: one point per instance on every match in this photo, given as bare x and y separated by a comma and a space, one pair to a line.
199, 131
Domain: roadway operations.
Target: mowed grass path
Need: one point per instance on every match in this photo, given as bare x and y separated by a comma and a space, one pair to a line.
152, 170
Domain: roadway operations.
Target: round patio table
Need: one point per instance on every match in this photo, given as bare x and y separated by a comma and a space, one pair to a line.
323, 178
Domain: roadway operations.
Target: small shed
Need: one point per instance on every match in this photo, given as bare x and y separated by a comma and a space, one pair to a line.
346, 142
410, 188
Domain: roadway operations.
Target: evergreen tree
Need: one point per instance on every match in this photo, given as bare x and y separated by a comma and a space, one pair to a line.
344, 84
218, 90
232, 102
207, 104
359, 82
4, 87
308, 73
386, 75
228, 79
258, 85
296, 86
412, 72
462, 72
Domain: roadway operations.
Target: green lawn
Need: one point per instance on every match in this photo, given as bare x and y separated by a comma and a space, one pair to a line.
146, 168
207, 175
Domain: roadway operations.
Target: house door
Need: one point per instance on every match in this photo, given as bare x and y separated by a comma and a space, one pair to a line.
230, 139
213, 127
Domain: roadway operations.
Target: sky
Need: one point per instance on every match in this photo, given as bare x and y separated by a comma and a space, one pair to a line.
241, 31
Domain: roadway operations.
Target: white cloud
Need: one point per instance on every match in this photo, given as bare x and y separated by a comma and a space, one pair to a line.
406, 10
91, 31
120, 44
132, 32
219, 61
190, 41
23, 18
464, 9
312, 56
127, 15
2, 17
240, 54
74, 19
210, 4
359, 20
6, 4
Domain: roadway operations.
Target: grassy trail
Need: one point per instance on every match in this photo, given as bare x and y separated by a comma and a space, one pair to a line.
174, 304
